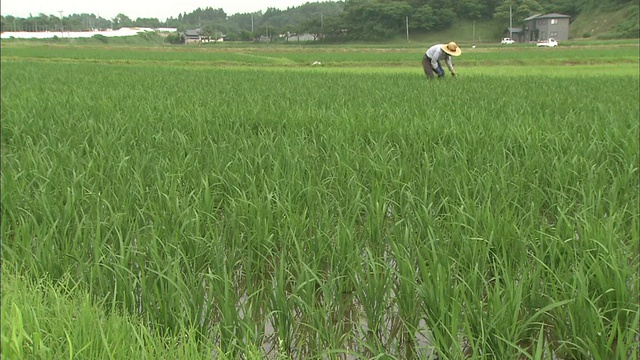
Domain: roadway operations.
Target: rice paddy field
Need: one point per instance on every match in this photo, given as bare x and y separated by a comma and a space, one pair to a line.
238, 203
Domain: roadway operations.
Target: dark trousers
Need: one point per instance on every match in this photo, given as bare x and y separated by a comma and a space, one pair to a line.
426, 66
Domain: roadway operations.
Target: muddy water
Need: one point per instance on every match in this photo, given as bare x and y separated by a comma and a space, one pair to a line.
422, 349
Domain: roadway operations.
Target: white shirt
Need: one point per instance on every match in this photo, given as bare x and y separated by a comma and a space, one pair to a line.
435, 53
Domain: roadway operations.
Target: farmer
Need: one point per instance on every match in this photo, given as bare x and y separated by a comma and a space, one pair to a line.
431, 59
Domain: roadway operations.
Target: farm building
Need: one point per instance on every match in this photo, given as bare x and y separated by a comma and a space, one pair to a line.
301, 37
542, 27
515, 33
199, 36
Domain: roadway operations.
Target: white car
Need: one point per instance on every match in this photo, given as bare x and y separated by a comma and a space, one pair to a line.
547, 43
507, 41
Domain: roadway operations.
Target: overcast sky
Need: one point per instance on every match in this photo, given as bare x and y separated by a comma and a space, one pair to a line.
160, 9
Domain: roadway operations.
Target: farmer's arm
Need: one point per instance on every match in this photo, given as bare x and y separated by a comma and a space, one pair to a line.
450, 65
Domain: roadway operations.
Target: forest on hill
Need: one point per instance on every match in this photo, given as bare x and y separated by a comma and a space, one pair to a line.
349, 20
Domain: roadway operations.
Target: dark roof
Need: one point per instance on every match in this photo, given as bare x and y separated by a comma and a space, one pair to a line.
553, 16
193, 32
532, 17
547, 16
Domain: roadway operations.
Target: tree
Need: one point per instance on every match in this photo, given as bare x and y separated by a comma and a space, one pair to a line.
269, 30
242, 22
147, 22
444, 18
174, 38
245, 35
121, 20
375, 20
423, 18
469, 9
42, 22
520, 10
312, 26
211, 31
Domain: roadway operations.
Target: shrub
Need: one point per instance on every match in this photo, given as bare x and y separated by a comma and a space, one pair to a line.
149, 36
174, 38
609, 36
630, 27
586, 35
103, 39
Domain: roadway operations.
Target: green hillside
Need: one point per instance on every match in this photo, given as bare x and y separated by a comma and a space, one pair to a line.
595, 24
462, 32
598, 24
622, 22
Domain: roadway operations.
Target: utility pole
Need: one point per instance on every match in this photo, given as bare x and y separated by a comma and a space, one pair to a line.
322, 22
406, 18
252, 23
61, 26
267, 25
474, 32
510, 23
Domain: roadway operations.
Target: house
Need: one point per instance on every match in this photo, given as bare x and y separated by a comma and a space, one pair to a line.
193, 35
301, 37
542, 27
199, 36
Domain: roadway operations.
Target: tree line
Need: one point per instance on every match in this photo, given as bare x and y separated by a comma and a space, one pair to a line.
331, 20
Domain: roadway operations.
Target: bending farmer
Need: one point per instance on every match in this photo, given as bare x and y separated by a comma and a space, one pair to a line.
431, 59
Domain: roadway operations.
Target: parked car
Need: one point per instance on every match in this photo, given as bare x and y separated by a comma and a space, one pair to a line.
507, 41
547, 43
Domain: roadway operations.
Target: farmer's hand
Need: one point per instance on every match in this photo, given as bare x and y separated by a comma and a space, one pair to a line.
439, 71
453, 74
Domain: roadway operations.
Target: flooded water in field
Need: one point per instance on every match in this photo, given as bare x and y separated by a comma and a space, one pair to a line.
352, 328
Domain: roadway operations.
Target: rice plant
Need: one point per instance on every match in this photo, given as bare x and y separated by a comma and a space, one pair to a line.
320, 214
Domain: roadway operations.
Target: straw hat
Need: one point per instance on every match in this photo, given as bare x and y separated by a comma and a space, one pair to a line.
452, 49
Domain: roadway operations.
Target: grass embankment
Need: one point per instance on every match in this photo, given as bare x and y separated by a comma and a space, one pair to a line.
463, 32
317, 212
42, 319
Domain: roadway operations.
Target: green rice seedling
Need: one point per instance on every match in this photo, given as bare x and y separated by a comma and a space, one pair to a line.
328, 56
239, 211
373, 294
406, 297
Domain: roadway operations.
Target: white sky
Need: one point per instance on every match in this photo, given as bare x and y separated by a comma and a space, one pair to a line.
160, 9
